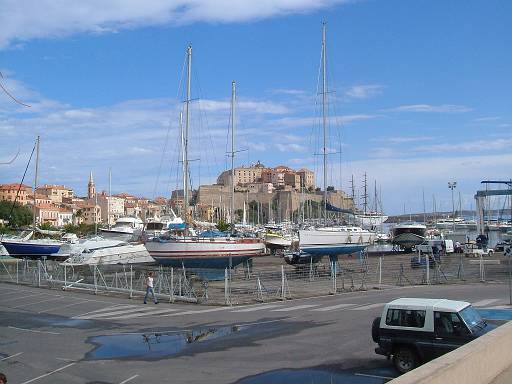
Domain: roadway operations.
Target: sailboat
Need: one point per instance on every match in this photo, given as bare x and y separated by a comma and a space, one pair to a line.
183, 248
329, 240
25, 247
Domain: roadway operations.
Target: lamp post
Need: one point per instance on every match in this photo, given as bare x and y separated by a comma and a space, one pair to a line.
452, 185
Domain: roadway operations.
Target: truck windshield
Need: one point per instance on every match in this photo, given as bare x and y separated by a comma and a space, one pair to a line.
471, 317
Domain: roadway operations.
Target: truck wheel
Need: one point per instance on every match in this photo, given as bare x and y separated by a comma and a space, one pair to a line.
375, 329
405, 359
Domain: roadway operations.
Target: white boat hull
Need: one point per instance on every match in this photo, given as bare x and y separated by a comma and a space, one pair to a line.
333, 242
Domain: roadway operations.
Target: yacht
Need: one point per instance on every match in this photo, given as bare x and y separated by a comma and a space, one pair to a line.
99, 251
125, 228
409, 234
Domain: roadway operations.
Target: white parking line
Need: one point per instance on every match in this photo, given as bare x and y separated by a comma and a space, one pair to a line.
48, 374
333, 307
483, 303
375, 376
141, 314
129, 379
63, 306
33, 330
258, 308
23, 297
369, 306
106, 309
196, 312
112, 313
37, 302
297, 307
10, 357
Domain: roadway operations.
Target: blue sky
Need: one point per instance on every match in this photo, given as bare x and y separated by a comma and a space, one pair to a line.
421, 91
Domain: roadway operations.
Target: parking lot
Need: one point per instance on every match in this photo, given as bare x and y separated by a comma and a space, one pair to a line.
55, 336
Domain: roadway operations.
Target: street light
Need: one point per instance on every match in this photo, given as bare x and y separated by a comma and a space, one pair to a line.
452, 185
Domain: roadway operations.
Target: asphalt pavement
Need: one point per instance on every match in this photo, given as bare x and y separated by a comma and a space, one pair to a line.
53, 336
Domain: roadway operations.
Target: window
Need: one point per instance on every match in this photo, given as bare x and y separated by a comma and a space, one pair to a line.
448, 324
405, 318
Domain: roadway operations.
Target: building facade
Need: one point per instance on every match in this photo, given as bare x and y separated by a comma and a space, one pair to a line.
56, 193
8, 192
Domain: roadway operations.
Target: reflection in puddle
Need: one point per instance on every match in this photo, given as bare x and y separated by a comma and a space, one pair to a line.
314, 376
152, 345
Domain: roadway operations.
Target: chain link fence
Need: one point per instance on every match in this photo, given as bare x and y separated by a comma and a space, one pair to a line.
267, 279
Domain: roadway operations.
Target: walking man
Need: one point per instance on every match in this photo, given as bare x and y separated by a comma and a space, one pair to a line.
149, 288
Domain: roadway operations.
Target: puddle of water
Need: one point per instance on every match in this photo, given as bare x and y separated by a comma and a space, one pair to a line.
150, 346
496, 314
311, 376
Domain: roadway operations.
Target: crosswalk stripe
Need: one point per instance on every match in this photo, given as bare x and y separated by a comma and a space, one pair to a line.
369, 306
258, 308
483, 303
141, 314
197, 311
112, 313
106, 309
333, 307
297, 307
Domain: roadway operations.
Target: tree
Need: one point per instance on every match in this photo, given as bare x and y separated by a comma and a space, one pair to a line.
17, 215
222, 226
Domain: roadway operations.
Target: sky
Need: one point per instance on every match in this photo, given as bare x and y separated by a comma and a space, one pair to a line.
419, 92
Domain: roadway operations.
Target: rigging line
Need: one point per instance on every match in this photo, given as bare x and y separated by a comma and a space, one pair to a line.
168, 131
19, 187
12, 160
10, 95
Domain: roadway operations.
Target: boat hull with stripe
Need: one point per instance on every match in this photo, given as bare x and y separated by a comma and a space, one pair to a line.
212, 253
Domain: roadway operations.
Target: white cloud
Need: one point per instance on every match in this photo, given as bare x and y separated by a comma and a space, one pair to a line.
364, 91
443, 108
33, 19
290, 147
309, 121
468, 146
487, 119
405, 139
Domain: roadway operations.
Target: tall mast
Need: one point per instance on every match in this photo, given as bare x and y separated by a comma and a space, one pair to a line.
324, 116
35, 183
365, 194
185, 134
233, 118
184, 169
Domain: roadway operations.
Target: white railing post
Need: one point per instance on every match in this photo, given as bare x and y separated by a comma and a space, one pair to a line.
17, 271
65, 278
482, 269
38, 273
283, 294
226, 289
380, 272
427, 264
131, 281
172, 285
334, 270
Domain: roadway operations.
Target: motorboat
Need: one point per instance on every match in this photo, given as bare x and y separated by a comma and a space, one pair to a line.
409, 234
125, 228
99, 251
334, 241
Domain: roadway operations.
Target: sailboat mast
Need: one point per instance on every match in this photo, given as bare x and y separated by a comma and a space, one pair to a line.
185, 134
233, 99
324, 115
35, 182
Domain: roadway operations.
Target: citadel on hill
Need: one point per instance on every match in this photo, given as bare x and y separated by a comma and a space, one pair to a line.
268, 194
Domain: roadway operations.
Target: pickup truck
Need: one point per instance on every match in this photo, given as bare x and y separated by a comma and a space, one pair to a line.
412, 331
